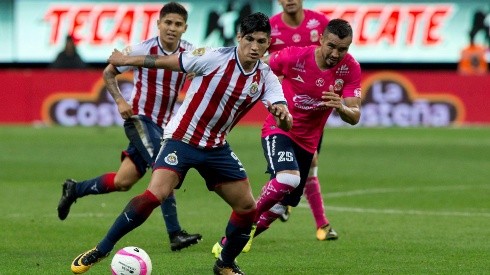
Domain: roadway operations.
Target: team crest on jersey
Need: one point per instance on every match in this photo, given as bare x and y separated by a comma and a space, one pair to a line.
198, 51
339, 84
171, 159
254, 88
314, 36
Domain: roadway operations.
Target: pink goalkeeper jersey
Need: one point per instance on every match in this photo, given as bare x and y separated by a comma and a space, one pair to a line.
306, 34
219, 95
155, 90
303, 84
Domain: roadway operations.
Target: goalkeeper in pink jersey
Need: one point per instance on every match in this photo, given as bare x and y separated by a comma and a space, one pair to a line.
296, 26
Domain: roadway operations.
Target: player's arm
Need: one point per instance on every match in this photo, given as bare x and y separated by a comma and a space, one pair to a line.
284, 119
109, 75
349, 110
169, 62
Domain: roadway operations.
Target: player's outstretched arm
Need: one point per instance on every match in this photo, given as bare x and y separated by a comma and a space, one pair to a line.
169, 62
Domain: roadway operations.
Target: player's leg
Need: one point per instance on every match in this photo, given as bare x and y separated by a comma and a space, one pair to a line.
146, 137
314, 197
162, 183
279, 151
239, 196
126, 176
179, 238
225, 174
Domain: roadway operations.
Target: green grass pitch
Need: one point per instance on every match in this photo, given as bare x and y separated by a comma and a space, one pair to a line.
404, 201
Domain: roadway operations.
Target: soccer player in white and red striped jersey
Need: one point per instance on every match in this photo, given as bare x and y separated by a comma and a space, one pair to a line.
150, 108
299, 27
316, 80
228, 82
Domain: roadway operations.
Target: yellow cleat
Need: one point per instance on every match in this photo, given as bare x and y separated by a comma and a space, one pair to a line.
83, 262
248, 246
326, 233
218, 246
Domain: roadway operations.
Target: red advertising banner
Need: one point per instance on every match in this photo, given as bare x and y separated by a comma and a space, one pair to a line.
390, 98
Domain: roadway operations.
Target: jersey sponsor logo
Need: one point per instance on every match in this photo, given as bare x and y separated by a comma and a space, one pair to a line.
312, 23
338, 85
275, 31
298, 78
198, 52
320, 82
306, 102
314, 36
171, 159
342, 70
300, 66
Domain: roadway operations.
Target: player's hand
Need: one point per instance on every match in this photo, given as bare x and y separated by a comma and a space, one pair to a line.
331, 99
190, 76
117, 58
124, 108
284, 119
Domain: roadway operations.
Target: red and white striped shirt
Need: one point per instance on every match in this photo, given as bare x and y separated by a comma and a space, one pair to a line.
155, 90
219, 96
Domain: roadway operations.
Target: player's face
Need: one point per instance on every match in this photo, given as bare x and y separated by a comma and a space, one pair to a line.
171, 28
291, 6
252, 46
332, 50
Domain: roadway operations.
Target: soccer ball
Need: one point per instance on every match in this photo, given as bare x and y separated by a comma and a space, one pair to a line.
131, 260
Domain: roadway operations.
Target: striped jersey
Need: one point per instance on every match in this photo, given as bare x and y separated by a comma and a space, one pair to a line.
155, 90
303, 84
306, 34
219, 95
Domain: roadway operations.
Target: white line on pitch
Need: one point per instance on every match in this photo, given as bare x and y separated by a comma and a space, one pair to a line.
401, 212
403, 190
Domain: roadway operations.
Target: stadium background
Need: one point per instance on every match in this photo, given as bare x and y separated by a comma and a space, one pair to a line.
407, 190
409, 52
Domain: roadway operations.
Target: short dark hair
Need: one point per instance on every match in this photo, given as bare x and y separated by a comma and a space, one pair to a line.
174, 7
255, 22
339, 27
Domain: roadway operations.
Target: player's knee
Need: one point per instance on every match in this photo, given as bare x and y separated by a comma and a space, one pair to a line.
124, 185
288, 179
278, 209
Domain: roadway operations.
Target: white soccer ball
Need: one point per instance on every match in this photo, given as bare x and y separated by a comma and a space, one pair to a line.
131, 260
